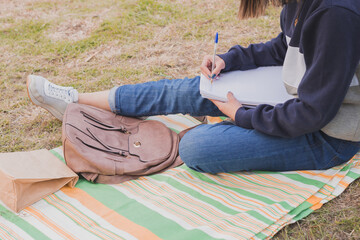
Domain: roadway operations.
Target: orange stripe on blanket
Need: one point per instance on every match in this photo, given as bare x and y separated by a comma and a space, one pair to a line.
79, 218
313, 200
4, 236
343, 184
41, 217
316, 206
214, 189
214, 119
108, 214
180, 124
323, 175
248, 200
10, 231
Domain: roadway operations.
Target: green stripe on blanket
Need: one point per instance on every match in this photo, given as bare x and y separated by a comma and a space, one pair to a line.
180, 203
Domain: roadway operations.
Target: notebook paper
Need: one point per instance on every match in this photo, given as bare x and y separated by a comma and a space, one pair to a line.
252, 87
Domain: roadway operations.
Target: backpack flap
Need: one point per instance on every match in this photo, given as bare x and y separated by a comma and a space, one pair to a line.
152, 142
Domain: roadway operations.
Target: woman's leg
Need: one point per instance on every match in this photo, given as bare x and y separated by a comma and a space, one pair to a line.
96, 99
144, 99
161, 98
228, 148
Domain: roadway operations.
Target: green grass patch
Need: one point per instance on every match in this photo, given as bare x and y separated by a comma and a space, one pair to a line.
23, 32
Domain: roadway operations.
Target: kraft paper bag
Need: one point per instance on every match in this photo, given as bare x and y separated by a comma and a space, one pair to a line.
26, 177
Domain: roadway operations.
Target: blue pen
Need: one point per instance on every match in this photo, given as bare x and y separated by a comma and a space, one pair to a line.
213, 62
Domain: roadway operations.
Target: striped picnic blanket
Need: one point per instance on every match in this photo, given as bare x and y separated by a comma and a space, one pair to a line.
180, 203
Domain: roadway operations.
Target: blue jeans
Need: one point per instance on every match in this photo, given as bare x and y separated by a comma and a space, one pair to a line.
225, 147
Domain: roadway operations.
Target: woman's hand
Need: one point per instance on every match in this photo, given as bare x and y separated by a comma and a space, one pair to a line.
230, 107
206, 66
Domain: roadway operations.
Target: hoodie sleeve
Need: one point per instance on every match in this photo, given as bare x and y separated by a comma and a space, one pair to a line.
271, 53
330, 43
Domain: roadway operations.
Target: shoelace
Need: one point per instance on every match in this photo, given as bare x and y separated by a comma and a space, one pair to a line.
62, 93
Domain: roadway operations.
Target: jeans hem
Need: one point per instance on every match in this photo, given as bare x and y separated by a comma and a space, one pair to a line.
111, 99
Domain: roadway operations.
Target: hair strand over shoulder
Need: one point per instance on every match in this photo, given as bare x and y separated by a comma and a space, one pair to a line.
256, 8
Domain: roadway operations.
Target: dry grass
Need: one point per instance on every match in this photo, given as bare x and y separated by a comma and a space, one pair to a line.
94, 45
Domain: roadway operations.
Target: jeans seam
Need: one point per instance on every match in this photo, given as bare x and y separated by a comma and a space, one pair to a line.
330, 161
243, 159
335, 158
316, 144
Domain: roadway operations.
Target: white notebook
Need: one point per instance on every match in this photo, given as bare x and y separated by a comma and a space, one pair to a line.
252, 87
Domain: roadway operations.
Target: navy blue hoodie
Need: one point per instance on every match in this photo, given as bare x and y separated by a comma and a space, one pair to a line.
319, 47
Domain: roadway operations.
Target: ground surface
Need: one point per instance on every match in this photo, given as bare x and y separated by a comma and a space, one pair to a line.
94, 45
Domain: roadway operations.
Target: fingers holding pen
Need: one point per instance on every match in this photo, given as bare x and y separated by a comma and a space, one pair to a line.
219, 65
207, 64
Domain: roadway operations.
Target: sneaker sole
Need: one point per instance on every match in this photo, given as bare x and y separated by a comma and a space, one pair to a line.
33, 100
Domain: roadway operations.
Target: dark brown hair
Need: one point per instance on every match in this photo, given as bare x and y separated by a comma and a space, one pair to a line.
256, 8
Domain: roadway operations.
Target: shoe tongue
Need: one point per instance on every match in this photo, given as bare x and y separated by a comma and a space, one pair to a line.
70, 91
75, 95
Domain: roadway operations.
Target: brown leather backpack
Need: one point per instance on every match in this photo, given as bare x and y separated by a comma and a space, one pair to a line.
108, 148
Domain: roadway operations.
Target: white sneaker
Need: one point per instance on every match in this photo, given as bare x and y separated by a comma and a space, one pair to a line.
50, 96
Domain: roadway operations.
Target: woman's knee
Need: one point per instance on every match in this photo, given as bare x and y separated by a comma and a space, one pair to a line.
194, 148
187, 147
